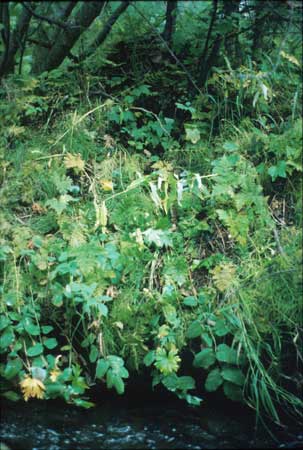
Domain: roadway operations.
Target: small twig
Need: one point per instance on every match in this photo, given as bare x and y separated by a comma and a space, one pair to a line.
152, 113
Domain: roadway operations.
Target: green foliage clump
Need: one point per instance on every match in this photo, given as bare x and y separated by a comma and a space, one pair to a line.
154, 230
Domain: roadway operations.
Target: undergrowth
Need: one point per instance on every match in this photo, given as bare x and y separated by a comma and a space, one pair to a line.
129, 239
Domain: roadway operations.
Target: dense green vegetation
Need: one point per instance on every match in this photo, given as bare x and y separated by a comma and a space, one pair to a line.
151, 200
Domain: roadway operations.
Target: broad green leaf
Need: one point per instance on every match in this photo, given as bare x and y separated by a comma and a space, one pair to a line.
233, 375
35, 350
278, 171
190, 301
83, 403
221, 328
186, 382
226, 354
205, 358
149, 358
50, 343
232, 391
12, 368
101, 369
31, 328
118, 383
194, 329
213, 380
6, 338
93, 355
4, 322
11, 395
46, 329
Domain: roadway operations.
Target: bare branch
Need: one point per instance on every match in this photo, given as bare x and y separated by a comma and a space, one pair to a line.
105, 31
44, 18
67, 37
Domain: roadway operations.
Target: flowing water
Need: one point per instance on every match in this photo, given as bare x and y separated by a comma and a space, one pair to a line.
151, 423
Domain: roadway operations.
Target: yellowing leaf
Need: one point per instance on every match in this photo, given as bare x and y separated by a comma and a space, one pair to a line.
32, 387
15, 130
224, 276
74, 161
290, 58
54, 374
101, 216
139, 238
107, 185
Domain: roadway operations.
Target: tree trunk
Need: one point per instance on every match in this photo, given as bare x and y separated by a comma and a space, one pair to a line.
105, 31
44, 41
204, 60
171, 15
5, 33
7, 63
231, 43
67, 38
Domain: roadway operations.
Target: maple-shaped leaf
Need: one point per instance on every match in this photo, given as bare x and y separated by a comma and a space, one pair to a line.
74, 161
161, 238
62, 182
60, 204
192, 135
167, 362
278, 171
162, 165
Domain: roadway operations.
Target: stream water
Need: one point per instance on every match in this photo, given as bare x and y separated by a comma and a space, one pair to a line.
151, 423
